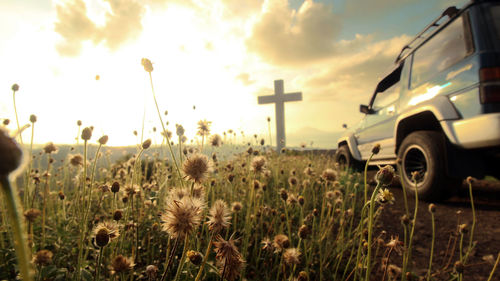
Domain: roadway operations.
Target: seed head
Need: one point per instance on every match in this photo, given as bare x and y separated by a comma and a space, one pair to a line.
196, 167
459, 267
182, 217
432, 208
283, 194
179, 130
43, 258
291, 256
281, 242
86, 133
376, 148
61, 195
204, 128
329, 175
146, 144
6, 122
151, 271
195, 257
303, 276
463, 228
103, 140
216, 140
117, 215
229, 259
219, 217
32, 214
10, 154
385, 196
32, 118
385, 175
236, 207
304, 231
104, 232
146, 63
49, 148
258, 164
121, 264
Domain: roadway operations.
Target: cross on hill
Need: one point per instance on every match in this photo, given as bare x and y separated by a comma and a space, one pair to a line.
279, 98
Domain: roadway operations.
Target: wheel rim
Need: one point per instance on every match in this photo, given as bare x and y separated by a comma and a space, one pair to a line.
415, 159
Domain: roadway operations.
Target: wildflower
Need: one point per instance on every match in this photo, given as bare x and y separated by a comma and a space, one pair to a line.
291, 200
462, 229
267, 245
204, 128
182, 217
132, 189
6, 122
385, 175
236, 207
216, 140
32, 118
103, 140
308, 171
79, 123
43, 258
258, 164
292, 181
15, 87
301, 200
394, 271
385, 196
151, 271
459, 267
86, 133
376, 148
395, 244
179, 130
283, 194
229, 259
146, 144
292, 256
196, 167
121, 264
329, 175
219, 217
76, 160
303, 276
115, 187
49, 148
10, 154
432, 208
195, 257
104, 232
304, 231
281, 242
117, 215
32, 214
146, 63
256, 184
61, 195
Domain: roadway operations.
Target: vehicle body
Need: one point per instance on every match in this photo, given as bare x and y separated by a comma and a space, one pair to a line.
438, 111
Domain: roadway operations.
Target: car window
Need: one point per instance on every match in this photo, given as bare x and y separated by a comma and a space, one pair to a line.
386, 97
495, 16
446, 48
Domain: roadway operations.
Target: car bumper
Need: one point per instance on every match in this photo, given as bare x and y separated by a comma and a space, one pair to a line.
477, 132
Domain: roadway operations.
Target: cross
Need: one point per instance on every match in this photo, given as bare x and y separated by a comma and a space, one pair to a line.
279, 98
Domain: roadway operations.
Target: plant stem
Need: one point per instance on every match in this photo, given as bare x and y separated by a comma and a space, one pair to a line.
370, 232
181, 262
200, 271
98, 265
494, 267
169, 262
432, 246
14, 212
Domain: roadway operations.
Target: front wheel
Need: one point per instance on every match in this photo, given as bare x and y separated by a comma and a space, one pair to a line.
425, 152
344, 159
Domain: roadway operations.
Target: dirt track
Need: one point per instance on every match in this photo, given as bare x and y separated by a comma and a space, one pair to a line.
449, 214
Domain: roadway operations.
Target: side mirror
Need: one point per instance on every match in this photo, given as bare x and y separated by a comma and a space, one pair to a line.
365, 109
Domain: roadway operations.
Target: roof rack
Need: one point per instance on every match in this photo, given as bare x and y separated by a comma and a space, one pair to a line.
450, 12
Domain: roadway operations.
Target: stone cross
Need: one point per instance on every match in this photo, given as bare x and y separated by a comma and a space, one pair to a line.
279, 98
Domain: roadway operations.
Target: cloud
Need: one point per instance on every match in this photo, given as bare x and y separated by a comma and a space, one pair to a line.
288, 37
122, 24
245, 79
354, 73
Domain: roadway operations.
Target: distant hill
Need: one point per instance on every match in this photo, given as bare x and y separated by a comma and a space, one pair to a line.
320, 139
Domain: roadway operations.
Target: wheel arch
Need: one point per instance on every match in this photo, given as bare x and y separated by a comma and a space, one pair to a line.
351, 143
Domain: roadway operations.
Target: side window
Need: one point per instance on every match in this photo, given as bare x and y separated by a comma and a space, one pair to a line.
386, 97
442, 51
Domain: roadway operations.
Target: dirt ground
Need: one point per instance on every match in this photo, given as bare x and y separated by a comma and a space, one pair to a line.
448, 215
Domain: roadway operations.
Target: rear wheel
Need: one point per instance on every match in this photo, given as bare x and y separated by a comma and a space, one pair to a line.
344, 159
425, 152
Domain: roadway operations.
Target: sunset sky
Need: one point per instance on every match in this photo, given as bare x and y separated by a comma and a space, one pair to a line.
217, 55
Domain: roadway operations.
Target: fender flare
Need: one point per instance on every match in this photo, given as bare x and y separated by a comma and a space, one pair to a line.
352, 144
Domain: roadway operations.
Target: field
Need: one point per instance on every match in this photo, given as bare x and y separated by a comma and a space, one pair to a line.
211, 211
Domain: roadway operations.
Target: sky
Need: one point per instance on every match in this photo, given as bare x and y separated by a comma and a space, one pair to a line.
211, 59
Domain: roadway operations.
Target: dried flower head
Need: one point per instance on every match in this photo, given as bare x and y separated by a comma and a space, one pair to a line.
303, 276
15, 87
43, 258
115, 187
216, 140
304, 231
385, 175
146, 144
50, 148
195, 257
76, 160
146, 63
104, 232
151, 271
196, 167
395, 244
182, 217
281, 242
329, 175
291, 256
204, 128
179, 130
432, 208
10, 154
32, 214
121, 264
258, 164
385, 196
376, 148
32, 118
86, 133
219, 217
229, 260
103, 140
236, 207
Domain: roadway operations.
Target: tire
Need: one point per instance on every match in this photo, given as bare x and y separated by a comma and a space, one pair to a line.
425, 152
344, 159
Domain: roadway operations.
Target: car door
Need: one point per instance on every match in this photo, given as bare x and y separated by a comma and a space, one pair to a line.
378, 124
